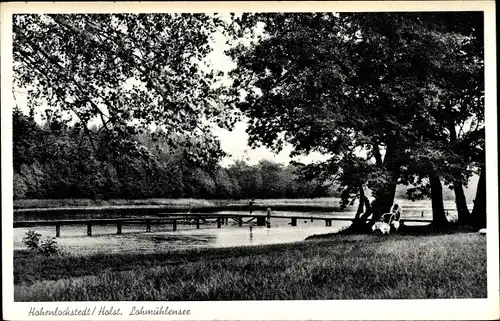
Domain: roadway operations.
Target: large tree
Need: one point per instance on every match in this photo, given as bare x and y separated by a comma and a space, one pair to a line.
358, 87
458, 104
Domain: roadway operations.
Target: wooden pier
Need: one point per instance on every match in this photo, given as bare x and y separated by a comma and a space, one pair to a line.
174, 219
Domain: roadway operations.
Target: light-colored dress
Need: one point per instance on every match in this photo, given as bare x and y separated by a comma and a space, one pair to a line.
397, 215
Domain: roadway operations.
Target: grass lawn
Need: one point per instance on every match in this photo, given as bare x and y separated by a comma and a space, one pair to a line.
336, 267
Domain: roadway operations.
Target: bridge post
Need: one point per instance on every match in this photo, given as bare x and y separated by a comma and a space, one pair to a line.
328, 222
174, 225
197, 220
89, 229
268, 216
312, 219
58, 230
119, 228
294, 221
148, 226
227, 220
218, 221
240, 221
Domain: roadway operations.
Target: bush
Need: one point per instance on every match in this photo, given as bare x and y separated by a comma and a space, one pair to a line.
32, 240
48, 246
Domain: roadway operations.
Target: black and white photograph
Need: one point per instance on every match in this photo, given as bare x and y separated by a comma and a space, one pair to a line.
248, 156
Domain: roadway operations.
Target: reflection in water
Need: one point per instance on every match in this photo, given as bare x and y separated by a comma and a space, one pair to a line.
187, 239
162, 238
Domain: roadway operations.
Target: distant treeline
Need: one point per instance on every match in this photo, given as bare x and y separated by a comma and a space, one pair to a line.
53, 162
448, 194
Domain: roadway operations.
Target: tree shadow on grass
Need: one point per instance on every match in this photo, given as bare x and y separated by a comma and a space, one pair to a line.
411, 230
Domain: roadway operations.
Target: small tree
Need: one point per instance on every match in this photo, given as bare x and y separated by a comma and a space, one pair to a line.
32, 240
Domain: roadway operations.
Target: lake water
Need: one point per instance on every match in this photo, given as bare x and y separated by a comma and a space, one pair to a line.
134, 238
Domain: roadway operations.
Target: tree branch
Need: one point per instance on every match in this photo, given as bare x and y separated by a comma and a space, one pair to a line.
376, 154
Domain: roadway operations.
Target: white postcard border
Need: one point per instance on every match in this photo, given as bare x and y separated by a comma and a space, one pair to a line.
471, 309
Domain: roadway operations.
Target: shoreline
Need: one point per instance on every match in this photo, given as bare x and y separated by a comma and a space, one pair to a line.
316, 203
27, 210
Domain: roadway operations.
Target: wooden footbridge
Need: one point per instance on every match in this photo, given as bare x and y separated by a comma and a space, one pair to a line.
154, 216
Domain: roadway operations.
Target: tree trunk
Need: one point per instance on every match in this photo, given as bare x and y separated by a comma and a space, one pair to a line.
376, 154
384, 198
479, 210
361, 203
359, 223
460, 200
368, 211
438, 213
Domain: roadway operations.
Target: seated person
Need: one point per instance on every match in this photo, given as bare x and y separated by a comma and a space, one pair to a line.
397, 211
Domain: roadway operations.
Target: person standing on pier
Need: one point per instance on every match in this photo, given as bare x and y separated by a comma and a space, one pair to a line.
268, 217
250, 205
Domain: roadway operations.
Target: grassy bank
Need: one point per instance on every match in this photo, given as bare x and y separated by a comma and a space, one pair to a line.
339, 267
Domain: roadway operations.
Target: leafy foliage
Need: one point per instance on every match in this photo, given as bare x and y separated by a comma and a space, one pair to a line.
126, 74
381, 93
32, 240
391, 98
56, 164
47, 246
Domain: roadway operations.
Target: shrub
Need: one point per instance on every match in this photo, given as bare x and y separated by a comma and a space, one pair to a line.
32, 240
47, 246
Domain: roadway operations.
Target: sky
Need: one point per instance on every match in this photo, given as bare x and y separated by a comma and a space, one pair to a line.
235, 142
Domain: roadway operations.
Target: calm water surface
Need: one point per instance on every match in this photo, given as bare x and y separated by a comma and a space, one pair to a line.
134, 238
